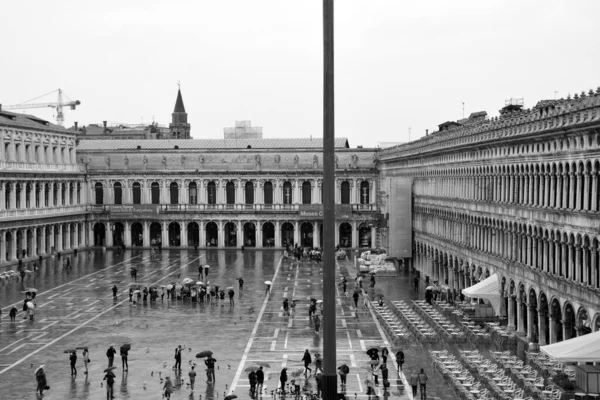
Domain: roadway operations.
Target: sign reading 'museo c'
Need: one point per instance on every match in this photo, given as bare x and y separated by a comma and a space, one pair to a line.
315, 211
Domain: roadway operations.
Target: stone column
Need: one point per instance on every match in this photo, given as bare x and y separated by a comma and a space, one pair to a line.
553, 329
373, 236
594, 189
530, 325
277, 234
520, 319
542, 328
511, 317
183, 234
259, 234
109, 234
221, 234
201, 234
164, 231
354, 234
127, 233
67, 235
240, 234
90, 235
59, 235
3, 249
76, 236
577, 276
571, 192
296, 233
578, 199
317, 234
146, 234
13, 196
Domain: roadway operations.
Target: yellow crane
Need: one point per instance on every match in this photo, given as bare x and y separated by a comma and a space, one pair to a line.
63, 101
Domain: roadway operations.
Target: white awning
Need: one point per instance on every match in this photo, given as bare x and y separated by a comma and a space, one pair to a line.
584, 348
489, 289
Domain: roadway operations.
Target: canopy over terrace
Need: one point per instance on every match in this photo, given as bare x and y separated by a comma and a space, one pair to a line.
584, 348
488, 289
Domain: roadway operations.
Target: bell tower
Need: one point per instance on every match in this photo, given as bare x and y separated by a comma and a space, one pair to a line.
179, 127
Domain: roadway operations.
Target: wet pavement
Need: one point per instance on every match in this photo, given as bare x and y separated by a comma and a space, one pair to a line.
75, 308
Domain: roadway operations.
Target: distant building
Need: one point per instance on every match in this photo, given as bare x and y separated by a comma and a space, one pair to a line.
385, 145
243, 130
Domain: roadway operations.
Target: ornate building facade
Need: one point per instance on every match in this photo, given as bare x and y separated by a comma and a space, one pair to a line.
42, 189
517, 195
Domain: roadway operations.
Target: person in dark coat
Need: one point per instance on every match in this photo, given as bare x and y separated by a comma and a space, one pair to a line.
384, 354
384, 374
416, 281
307, 361
241, 282
231, 293
73, 359
210, 364
260, 379
110, 354
177, 366
124, 354
283, 379
110, 381
115, 290
355, 297
286, 307
130, 295
42, 383
399, 360
145, 294
252, 379
13, 314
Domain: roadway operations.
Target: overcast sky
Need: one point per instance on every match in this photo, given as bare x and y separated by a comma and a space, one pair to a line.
399, 64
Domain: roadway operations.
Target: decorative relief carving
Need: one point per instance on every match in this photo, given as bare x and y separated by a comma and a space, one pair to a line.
296, 161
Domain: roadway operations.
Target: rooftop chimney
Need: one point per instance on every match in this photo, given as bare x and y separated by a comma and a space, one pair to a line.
0, 107
104, 123
426, 132
75, 125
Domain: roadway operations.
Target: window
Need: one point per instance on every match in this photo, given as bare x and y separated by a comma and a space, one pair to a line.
7, 156
137, 193
249, 193
345, 193
211, 193
268, 193
18, 152
230, 192
99, 193
155, 193
46, 195
364, 192
18, 189
118, 193
193, 193
306, 193
174, 191
287, 193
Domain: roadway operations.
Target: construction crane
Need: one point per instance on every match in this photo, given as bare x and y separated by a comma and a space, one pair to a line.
58, 105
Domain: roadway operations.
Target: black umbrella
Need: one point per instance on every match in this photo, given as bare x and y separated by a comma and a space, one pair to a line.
373, 350
126, 347
109, 369
252, 368
205, 353
231, 397
344, 368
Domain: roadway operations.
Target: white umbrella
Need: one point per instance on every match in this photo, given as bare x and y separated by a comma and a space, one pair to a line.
187, 280
38, 368
319, 301
207, 266
169, 287
268, 282
199, 283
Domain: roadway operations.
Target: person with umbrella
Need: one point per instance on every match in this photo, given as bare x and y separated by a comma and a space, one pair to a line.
343, 284
307, 361
318, 363
286, 306
372, 280
145, 294
283, 379
343, 372
293, 308
312, 307
268, 289
206, 268
115, 290
13, 314
131, 295
252, 379
110, 381
110, 354
210, 364
399, 360
260, 378
124, 350
40, 378
73, 360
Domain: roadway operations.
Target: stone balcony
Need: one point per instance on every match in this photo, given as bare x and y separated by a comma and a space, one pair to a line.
28, 213
17, 166
223, 208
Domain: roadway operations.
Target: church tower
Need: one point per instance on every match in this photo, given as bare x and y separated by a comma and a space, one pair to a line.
179, 127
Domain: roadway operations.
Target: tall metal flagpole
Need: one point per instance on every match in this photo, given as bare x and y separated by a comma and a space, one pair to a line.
329, 351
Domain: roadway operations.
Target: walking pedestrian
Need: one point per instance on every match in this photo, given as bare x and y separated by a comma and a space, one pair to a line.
372, 280
416, 283
110, 354
399, 360
318, 363
124, 350
283, 379
130, 295
241, 283
210, 364
317, 322
355, 297
192, 375
13, 314
73, 359
42, 383
206, 268
231, 294
384, 354
260, 379
168, 387
145, 294
365, 298
293, 308
286, 307
68, 262
115, 290
86, 359
414, 382
423, 384
268, 288
200, 269
369, 383
319, 381
343, 374
252, 379
110, 381
384, 375
307, 361
177, 366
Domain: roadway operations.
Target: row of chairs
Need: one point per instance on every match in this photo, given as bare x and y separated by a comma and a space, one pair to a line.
442, 324
418, 327
461, 380
394, 328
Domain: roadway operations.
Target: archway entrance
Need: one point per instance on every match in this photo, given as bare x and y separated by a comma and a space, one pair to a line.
230, 235
99, 234
137, 234
29, 243
321, 234
20, 246
306, 234
364, 236
249, 234
268, 234
583, 322
556, 327
9, 247
212, 234
345, 235
287, 234
533, 330
156, 233
569, 323
544, 316
193, 232
174, 234
40, 240
117, 231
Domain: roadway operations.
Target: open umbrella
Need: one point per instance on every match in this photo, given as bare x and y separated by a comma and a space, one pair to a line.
263, 364
136, 291
163, 286
313, 299
205, 353
238, 278
229, 288
207, 266
187, 281
69, 351
32, 290
268, 282
169, 287
110, 369
199, 283
38, 368
231, 397
252, 368
429, 288
344, 368
372, 272
81, 348
373, 350
126, 346
319, 301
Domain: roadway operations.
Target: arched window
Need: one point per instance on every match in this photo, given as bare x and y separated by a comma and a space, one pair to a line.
18, 190
345, 193
288, 194
174, 191
268, 193
46, 195
137, 193
249, 192
118, 193
306, 193
99, 193
230, 193
193, 193
155, 192
211, 193
364, 192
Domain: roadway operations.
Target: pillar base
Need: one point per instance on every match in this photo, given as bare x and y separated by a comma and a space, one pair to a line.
510, 328
521, 333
